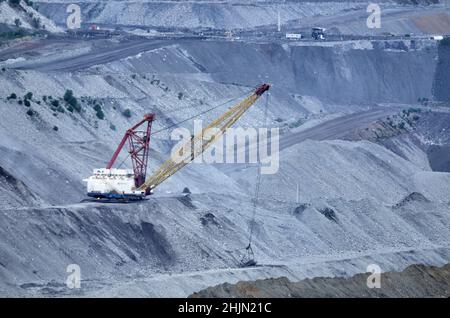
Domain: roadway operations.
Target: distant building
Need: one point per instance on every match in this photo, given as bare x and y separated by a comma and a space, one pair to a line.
294, 36
437, 37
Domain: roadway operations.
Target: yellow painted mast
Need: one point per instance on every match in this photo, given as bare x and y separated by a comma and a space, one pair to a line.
216, 129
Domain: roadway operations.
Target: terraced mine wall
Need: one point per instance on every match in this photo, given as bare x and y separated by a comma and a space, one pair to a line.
361, 72
441, 87
195, 14
348, 17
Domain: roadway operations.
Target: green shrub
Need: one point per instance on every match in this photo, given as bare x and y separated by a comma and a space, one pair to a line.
20, 102
99, 112
36, 22
97, 107
112, 127
17, 22
180, 96
414, 110
55, 128
30, 112
77, 107
56, 106
27, 102
127, 113
68, 95
71, 100
100, 115
12, 96
296, 124
28, 95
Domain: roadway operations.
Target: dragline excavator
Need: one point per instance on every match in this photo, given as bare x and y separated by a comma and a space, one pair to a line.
131, 184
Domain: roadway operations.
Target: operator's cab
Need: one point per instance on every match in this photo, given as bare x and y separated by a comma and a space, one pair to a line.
113, 184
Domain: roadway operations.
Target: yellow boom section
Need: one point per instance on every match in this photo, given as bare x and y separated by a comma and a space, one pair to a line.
198, 144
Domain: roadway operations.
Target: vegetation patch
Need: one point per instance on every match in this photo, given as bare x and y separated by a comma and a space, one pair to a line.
127, 113
72, 102
99, 112
12, 96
